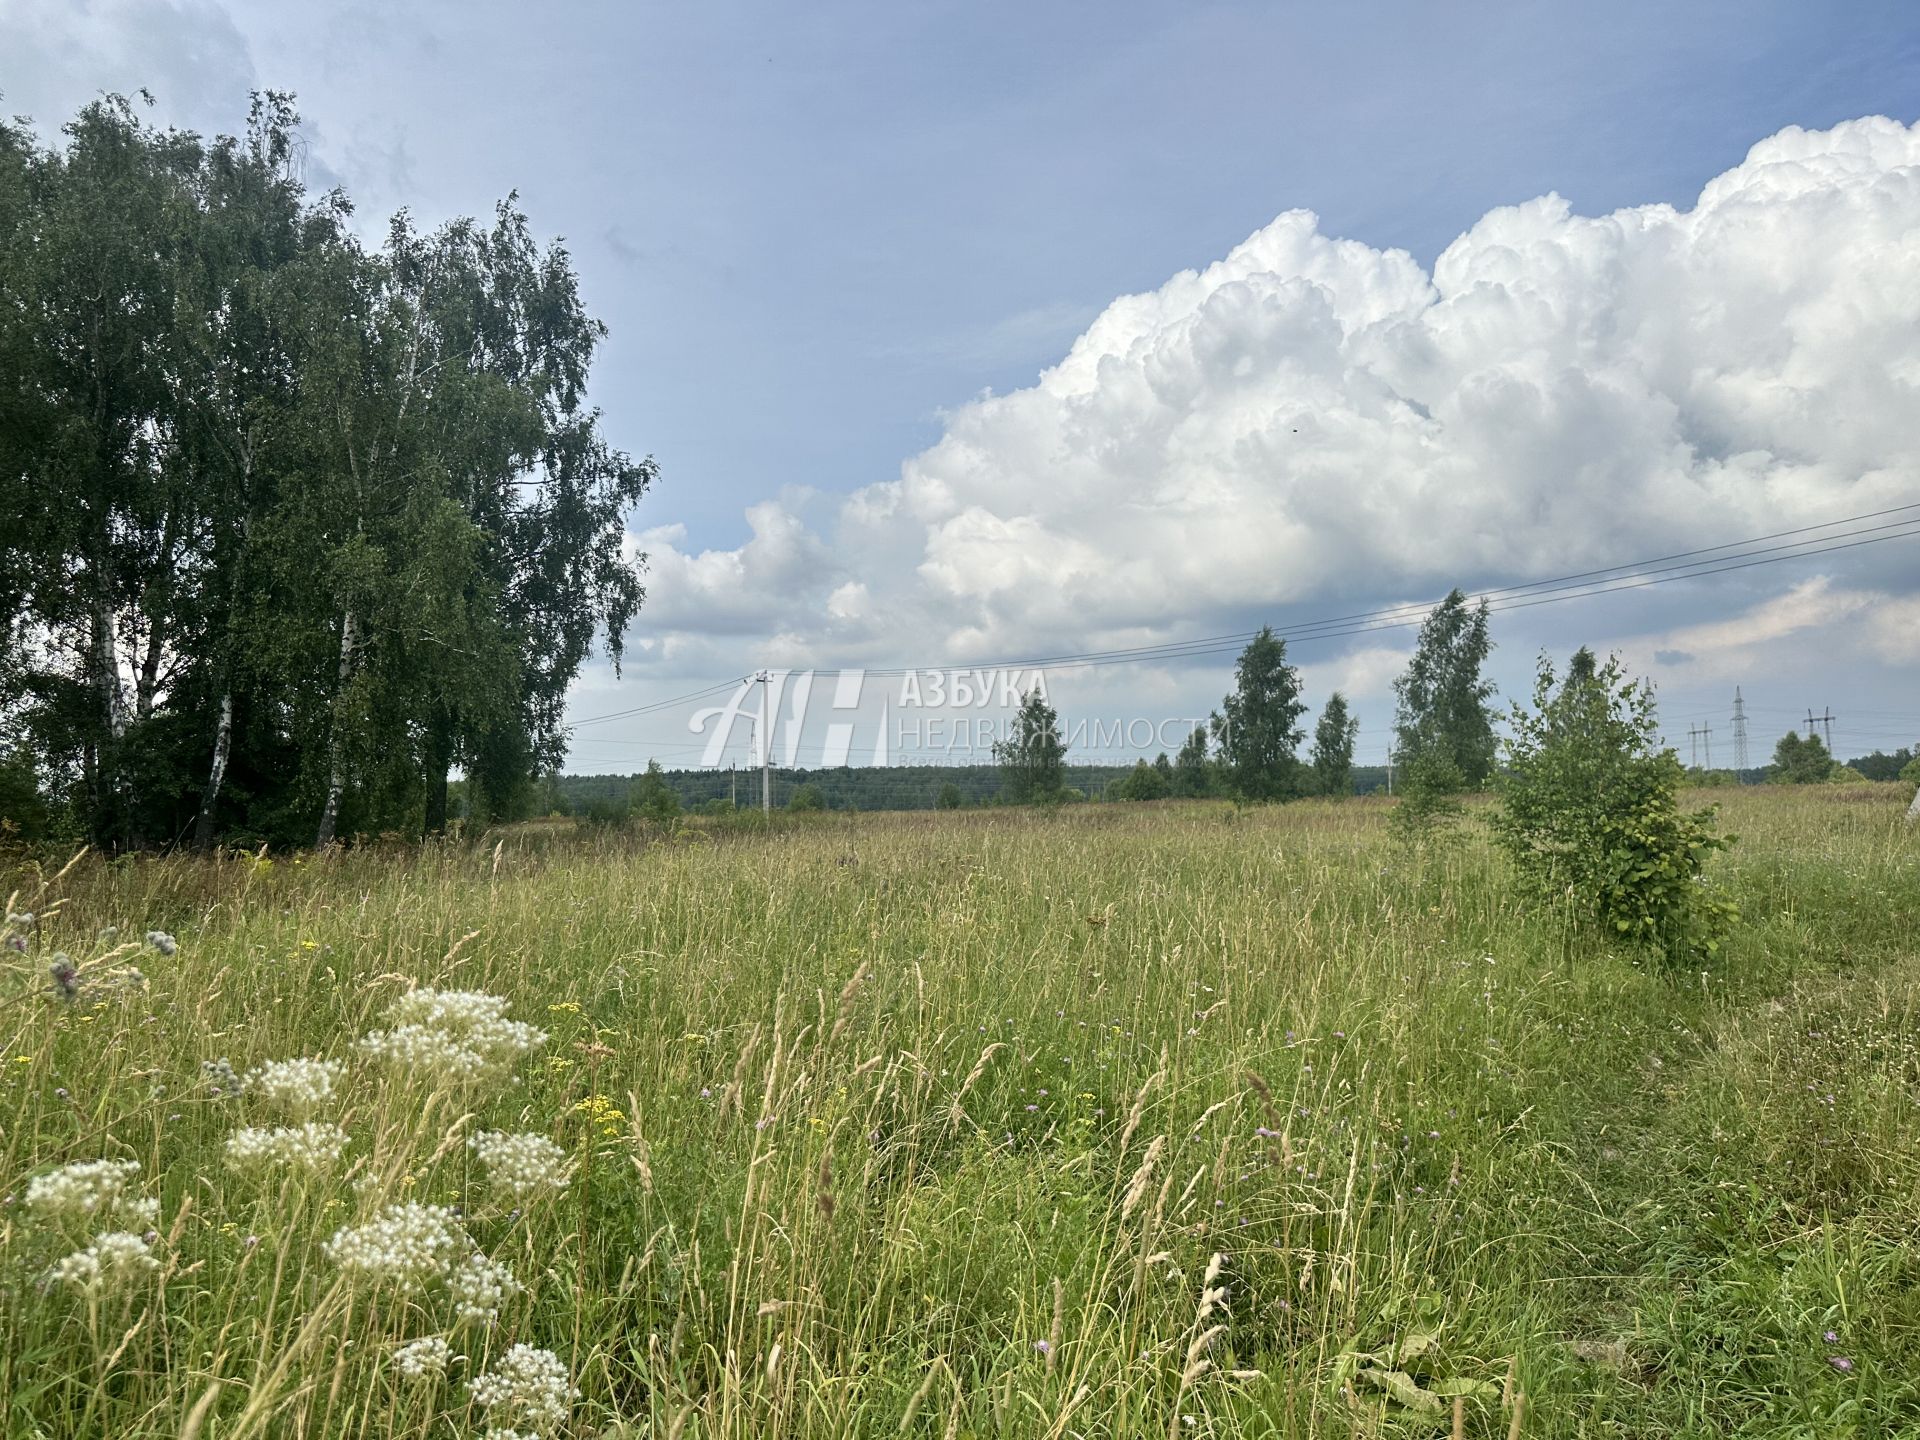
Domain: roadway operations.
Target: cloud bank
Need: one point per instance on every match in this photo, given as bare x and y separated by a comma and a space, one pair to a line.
1310, 419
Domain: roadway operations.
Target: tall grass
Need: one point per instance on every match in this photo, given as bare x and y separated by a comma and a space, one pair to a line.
1120, 1121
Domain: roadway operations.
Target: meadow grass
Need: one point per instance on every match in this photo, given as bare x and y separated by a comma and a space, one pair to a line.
1129, 1120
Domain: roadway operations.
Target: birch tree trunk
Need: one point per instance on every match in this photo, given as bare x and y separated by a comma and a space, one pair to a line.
222, 746
336, 747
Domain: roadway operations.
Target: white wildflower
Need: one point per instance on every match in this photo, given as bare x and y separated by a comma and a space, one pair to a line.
298, 1086
527, 1387
112, 1260
311, 1148
423, 1359
163, 942
408, 1244
84, 1188
479, 1288
523, 1164
460, 1034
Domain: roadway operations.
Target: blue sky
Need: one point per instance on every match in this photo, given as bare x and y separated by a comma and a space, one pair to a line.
819, 233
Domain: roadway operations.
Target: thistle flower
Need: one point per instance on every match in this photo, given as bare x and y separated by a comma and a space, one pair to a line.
527, 1387
221, 1077
522, 1164
163, 942
65, 975
86, 1188
112, 1260
298, 1086
22, 918
410, 1245
479, 1288
309, 1149
423, 1359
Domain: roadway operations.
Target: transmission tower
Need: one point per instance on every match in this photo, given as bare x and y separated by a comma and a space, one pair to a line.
1700, 738
1825, 722
1739, 730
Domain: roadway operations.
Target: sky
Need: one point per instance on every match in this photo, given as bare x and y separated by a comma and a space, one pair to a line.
981, 332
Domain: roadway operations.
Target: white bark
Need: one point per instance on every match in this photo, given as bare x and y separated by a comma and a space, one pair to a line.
337, 773
222, 747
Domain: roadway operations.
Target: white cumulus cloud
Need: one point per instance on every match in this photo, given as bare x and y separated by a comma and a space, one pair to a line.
1311, 419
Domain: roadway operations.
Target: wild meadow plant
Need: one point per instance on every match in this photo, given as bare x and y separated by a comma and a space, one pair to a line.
1147, 1120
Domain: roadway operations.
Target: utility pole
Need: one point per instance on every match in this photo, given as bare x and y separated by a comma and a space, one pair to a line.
1739, 730
766, 746
1826, 721
1693, 747
1389, 769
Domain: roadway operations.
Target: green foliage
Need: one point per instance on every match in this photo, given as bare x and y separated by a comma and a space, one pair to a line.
1194, 772
1429, 805
338, 517
652, 798
1032, 758
1590, 812
1144, 782
807, 797
1800, 760
1516, 1098
1910, 773
1444, 704
1259, 732
949, 797
1882, 766
23, 810
1333, 740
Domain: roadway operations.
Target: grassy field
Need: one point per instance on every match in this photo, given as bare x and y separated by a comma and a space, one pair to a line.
1119, 1121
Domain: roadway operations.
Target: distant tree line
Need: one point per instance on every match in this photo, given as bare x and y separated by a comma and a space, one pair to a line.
847, 787
291, 525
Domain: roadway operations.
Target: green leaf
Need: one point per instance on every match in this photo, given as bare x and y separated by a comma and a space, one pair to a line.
1403, 1388
1471, 1389
1415, 1345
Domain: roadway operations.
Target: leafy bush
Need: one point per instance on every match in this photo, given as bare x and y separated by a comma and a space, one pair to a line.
1429, 798
1800, 762
652, 798
808, 797
1591, 812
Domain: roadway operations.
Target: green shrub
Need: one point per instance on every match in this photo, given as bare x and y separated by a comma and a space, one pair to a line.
652, 798
1429, 798
1591, 812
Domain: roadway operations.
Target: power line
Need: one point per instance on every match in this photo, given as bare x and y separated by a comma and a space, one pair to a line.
657, 705
1405, 616
1660, 570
